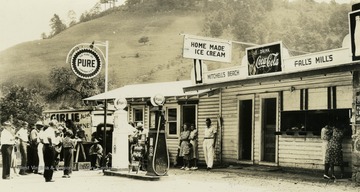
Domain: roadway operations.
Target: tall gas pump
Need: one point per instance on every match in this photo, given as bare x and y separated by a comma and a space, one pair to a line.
158, 154
122, 129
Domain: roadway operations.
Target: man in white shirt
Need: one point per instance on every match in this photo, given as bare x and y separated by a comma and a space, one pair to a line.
209, 144
23, 137
7, 141
48, 140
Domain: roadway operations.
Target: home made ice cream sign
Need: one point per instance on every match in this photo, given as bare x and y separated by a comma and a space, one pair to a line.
207, 49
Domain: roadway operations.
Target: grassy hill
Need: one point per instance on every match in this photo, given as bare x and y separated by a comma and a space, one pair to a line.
129, 61
299, 24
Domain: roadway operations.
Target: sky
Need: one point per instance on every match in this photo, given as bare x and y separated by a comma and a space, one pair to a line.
26, 20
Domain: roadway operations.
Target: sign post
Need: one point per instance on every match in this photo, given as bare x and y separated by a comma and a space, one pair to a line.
85, 62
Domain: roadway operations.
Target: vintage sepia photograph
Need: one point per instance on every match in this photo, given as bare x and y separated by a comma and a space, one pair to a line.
180, 95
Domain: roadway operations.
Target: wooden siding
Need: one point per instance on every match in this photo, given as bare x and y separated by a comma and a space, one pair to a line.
307, 152
208, 107
172, 145
288, 148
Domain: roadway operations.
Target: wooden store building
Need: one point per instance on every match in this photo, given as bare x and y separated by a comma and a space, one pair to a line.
272, 116
269, 109
274, 107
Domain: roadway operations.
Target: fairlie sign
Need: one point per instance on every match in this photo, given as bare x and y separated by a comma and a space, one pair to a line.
85, 63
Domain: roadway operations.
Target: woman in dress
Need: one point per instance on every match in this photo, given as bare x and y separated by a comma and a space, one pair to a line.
185, 147
194, 143
326, 134
334, 154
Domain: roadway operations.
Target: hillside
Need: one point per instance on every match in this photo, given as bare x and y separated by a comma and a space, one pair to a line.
300, 25
129, 60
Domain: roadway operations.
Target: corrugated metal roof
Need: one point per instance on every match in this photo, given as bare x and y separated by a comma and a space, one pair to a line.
167, 89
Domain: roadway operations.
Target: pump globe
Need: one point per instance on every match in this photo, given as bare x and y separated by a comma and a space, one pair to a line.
157, 100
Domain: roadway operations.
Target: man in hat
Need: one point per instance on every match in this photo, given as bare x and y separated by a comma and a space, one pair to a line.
57, 146
96, 153
7, 140
23, 137
48, 140
33, 158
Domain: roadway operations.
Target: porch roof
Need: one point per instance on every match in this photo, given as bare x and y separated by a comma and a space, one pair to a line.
147, 90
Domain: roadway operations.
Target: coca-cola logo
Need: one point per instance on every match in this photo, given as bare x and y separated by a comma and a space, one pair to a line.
267, 61
264, 59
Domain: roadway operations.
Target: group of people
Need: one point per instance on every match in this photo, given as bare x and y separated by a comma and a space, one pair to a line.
39, 146
188, 146
333, 136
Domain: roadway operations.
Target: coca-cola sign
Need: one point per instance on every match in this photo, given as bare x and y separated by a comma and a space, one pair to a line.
354, 31
264, 59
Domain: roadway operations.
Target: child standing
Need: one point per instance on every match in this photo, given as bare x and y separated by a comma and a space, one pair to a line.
68, 146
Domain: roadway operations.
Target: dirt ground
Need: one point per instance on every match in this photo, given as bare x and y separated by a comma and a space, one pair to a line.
264, 178
237, 179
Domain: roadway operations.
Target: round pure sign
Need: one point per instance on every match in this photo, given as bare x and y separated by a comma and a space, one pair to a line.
85, 63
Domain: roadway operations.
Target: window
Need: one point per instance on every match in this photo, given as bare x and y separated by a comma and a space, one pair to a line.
189, 114
172, 121
314, 120
138, 114
318, 107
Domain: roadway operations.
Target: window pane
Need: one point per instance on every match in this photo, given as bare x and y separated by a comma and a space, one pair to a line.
172, 128
172, 115
138, 115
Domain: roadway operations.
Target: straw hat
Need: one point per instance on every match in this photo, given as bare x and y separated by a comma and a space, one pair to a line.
7, 123
139, 125
39, 123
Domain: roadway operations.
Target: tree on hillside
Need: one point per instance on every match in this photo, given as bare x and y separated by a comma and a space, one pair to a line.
93, 13
56, 25
43, 35
22, 104
132, 2
143, 40
175, 4
69, 89
72, 18
216, 29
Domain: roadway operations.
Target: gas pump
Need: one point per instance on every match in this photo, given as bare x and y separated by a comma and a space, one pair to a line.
158, 154
120, 136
